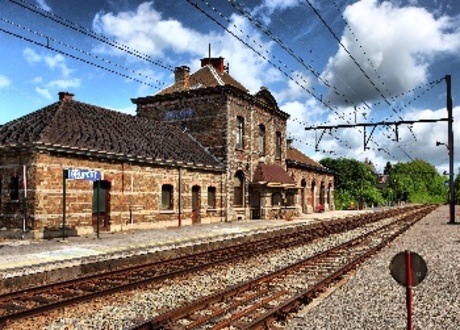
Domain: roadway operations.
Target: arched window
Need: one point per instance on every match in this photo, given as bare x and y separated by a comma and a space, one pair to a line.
261, 140
278, 146
239, 132
238, 189
322, 189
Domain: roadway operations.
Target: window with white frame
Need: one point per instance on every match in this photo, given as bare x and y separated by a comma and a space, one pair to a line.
239, 132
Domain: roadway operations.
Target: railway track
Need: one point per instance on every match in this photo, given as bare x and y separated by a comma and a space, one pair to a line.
258, 303
26, 303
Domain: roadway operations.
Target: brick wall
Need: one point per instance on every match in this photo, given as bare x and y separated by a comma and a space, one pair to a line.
135, 194
310, 182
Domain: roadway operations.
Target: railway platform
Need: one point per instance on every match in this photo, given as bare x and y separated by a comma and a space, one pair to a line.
20, 253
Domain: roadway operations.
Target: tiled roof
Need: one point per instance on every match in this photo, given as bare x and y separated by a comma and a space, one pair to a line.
271, 173
297, 156
207, 76
77, 126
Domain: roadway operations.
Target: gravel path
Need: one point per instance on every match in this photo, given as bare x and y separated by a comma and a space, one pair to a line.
373, 300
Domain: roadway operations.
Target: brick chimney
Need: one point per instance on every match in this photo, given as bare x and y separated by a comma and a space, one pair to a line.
65, 96
216, 62
182, 78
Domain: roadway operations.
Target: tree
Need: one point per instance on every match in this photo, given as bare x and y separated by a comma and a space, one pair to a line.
413, 182
457, 188
354, 182
387, 169
417, 182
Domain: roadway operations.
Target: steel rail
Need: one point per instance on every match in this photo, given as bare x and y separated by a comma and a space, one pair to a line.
83, 289
167, 320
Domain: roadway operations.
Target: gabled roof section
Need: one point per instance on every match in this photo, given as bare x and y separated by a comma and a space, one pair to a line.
295, 158
75, 127
264, 96
207, 76
272, 175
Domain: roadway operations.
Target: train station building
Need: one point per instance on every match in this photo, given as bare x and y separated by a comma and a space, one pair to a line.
202, 150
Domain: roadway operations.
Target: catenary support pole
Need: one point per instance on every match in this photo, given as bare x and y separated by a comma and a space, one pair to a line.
450, 144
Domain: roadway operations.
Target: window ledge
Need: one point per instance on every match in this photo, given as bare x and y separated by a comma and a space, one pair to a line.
167, 211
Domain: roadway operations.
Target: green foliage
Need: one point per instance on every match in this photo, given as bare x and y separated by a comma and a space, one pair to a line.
417, 182
457, 189
354, 182
412, 182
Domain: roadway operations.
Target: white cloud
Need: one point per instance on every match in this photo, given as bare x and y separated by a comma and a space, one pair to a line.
393, 45
44, 92
146, 31
130, 110
4, 81
43, 5
296, 87
267, 7
31, 56
57, 61
64, 83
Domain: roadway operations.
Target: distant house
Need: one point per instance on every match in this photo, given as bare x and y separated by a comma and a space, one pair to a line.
202, 150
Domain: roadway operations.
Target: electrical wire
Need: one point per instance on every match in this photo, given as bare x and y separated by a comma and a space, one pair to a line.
47, 46
92, 34
48, 39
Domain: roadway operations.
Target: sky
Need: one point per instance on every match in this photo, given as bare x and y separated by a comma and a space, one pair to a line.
326, 63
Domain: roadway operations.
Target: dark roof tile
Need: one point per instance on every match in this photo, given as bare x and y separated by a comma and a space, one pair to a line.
272, 173
297, 156
205, 77
82, 126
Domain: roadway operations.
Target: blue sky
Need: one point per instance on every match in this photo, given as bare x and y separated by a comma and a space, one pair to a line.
326, 63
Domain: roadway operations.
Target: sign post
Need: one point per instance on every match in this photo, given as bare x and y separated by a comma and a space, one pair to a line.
408, 269
79, 174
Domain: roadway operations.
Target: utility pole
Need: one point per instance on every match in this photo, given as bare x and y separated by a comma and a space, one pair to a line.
450, 144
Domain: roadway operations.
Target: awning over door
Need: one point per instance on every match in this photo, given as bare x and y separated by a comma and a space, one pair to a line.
272, 175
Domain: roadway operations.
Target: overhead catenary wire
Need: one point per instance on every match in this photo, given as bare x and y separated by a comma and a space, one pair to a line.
97, 36
267, 32
47, 46
267, 59
51, 39
23, 1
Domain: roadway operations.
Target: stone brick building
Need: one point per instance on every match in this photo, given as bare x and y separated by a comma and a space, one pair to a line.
202, 150
151, 174
265, 176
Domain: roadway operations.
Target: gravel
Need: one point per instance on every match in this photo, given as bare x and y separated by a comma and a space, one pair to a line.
122, 310
373, 300
369, 300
